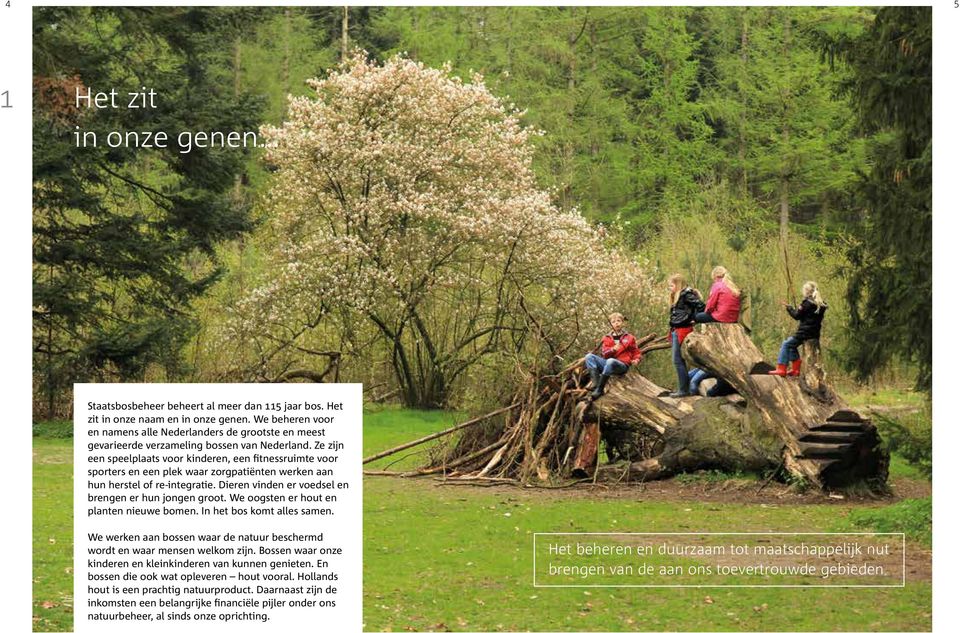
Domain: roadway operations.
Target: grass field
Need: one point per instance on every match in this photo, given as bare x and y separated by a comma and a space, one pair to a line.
52, 534
460, 558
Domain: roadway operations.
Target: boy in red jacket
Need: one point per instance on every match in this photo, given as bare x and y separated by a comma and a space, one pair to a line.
619, 352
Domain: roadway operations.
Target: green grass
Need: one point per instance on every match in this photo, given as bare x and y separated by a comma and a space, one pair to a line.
388, 426
438, 557
886, 398
900, 468
914, 517
460, 558
52, 534
714, 476
53, 429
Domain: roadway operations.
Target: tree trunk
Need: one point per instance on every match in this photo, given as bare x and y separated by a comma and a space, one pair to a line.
741, 84
662, 436
785, 153
824, 440
345, 34
799, 423
285, 63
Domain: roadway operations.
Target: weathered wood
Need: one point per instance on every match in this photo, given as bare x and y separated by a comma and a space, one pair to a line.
772, 421
466, 459
661, 436
813, 377
792, 411
586, 459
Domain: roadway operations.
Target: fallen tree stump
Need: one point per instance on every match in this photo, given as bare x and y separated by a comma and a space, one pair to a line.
661, 436
552, 429
825, 441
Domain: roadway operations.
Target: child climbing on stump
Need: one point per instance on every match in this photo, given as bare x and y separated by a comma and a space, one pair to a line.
810, 315
685, 303
618, 351
723, 304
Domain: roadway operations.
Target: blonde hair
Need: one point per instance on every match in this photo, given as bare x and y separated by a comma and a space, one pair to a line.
720, 271
616, 314
678, 284
812, 292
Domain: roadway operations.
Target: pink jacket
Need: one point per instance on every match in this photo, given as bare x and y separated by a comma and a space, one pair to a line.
722, 304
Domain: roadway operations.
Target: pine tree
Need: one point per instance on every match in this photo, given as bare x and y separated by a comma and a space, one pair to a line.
125, 238
891, 268
786, 139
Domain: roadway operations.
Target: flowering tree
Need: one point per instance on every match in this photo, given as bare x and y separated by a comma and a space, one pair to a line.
404, 196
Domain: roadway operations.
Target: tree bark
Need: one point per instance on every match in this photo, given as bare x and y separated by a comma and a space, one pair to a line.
798, 423
345, 34
661, 436
823, 439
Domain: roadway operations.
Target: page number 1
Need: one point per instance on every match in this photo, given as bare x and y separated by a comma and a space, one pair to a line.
5, 99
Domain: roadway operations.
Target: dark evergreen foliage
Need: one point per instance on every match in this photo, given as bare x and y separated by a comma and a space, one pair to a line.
891, 266
124, 238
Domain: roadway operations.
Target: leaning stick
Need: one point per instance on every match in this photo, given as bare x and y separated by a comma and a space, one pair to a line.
433, 436
463, 460
645, 339
786, 268
660, 343
385, 473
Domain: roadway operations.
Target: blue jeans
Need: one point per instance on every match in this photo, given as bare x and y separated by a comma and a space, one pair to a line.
697, 375
606, 366
704, 317
683, 377
789, 351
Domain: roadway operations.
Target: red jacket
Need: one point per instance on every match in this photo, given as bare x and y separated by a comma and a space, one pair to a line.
722, 304
628, 351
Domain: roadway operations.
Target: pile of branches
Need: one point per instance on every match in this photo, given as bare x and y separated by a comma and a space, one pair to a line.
533, 439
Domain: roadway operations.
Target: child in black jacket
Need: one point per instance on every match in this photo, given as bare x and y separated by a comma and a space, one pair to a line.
810, 315
685, 303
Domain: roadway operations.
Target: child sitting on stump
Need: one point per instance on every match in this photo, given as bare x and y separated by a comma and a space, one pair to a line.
810, 315
723, 303
618, 351
720, 388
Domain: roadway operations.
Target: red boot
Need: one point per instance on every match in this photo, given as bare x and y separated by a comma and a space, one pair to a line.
795, 369
781, 370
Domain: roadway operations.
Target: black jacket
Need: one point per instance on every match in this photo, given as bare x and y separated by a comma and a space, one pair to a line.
810, 319
688, 304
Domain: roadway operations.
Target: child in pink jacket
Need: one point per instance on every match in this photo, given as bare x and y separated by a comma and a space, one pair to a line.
723, 304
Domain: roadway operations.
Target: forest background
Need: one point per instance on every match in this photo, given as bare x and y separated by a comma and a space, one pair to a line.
785, 143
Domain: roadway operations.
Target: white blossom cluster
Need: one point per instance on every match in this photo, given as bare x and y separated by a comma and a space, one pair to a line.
402, 190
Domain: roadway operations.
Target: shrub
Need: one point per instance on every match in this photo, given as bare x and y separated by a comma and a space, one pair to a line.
914, 517
911, 437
